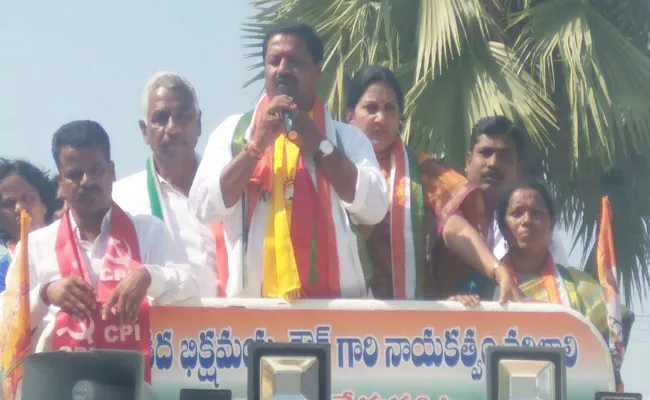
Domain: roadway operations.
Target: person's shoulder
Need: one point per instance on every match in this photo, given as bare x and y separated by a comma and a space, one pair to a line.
145, 222
344, 127
150, 230
428, 160
230, 122
47, 230
222, 135
351, 138
133, 178
234, 118
130, 182
131, 193
44, 235
432, 167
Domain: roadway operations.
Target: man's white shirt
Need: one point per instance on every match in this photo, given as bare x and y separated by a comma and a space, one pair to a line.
192, 240
368, 207
172, 283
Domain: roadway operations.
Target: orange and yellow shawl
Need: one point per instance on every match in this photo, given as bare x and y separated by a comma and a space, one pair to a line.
566, 286
300, 257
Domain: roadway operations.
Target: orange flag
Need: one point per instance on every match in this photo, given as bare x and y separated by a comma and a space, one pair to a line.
608, 277
15, 336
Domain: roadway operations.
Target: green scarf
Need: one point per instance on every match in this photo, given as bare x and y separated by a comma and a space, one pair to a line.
153, 188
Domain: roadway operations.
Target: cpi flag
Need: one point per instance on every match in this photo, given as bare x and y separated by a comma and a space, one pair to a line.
15, 334
608, 277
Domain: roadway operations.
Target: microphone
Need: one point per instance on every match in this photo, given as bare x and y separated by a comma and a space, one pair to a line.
287, 116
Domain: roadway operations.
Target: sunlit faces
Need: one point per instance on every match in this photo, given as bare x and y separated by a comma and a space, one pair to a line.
288, 61
377, 114
173, 123
529, 224
86, 178
492, 163
17, 194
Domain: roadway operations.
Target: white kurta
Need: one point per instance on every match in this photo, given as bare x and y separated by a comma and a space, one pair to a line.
171, 280
369, 207
192, 239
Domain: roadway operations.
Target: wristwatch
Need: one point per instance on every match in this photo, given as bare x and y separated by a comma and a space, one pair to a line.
325, 148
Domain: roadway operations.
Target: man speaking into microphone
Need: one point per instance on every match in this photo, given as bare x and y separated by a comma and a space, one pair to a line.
290, 185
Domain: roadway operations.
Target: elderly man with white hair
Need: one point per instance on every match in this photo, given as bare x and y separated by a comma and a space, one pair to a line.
171, 126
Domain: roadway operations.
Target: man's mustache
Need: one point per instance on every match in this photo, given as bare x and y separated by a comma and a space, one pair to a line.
172, 140
88, 191
493, 173
285, 80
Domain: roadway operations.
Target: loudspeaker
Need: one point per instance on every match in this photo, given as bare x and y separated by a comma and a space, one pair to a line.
94, 375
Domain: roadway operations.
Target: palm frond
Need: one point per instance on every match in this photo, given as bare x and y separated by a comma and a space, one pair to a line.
607, 79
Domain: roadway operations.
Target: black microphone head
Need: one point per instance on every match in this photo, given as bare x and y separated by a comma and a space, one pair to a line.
282, 88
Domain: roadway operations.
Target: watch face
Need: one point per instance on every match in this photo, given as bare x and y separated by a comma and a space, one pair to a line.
326, 147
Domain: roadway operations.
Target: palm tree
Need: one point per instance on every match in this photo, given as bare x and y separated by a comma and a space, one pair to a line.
575, 73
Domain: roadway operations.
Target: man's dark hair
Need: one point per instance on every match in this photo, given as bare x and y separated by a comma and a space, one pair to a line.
365, 77
500, 126
304, 31
39, 179
80, 134
527, 182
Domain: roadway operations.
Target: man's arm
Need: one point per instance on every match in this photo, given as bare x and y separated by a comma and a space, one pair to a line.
220, 180
206, 198
354, 169
342, 174
172, 279
465, 241
38, 308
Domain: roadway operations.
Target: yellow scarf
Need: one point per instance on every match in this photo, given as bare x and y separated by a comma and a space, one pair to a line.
280, 271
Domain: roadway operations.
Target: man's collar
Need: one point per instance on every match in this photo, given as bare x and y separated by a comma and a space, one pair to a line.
161, 178
106, 223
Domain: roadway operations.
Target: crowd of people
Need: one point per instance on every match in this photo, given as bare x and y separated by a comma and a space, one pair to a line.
324, 209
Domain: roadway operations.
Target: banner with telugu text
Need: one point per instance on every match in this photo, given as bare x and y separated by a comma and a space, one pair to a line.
406, 351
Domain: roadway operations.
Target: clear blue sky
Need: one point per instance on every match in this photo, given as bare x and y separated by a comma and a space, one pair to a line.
90, 60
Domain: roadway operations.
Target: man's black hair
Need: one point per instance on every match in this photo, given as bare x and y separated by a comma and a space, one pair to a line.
80, 134
304, 31
501, 126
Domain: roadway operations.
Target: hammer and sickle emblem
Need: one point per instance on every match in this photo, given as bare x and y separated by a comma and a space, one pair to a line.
85, 334
121, 250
